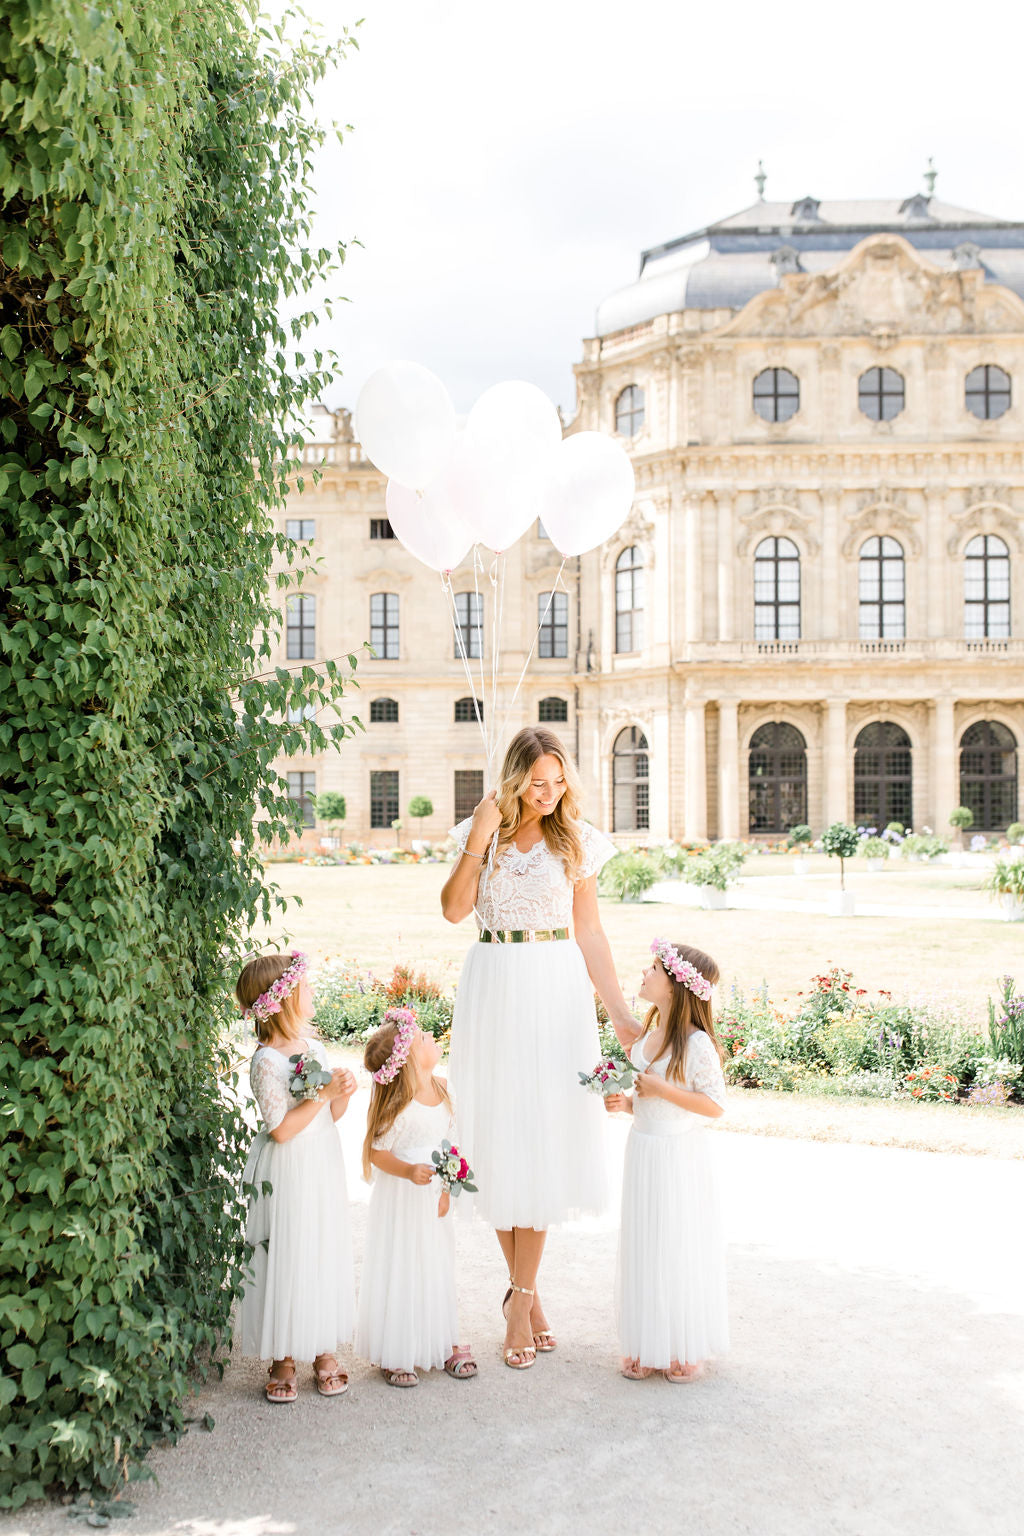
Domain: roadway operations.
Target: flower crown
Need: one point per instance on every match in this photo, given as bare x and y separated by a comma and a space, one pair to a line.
405, 1034
269, 1002
681, 970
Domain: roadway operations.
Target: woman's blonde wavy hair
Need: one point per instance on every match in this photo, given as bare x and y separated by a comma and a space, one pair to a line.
560, 827
686, 1012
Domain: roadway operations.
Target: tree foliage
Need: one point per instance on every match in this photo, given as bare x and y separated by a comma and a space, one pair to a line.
155, 166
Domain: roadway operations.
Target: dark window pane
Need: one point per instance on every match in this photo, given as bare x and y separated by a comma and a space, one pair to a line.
468, 709
469, 616
777, 778
380, 528
383, 711
383, 797
630, 782
988, 774
776, 394
302, 788
629, 411
469, 791
552, 710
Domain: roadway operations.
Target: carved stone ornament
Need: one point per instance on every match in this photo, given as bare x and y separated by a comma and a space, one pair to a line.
884, 497
385, 578
775, 496
985, 519
636, 530
988, 495
881, 519
780, 522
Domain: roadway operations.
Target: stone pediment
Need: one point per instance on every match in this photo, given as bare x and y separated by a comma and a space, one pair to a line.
880, 288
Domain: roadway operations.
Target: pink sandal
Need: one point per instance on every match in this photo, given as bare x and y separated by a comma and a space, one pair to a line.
460, 1363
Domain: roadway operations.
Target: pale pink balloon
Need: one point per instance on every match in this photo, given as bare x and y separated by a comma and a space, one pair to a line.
589, 494
505, 461
405, 420
428, 527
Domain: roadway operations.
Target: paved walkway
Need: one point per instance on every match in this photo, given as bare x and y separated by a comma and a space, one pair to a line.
818, 888
875, 1386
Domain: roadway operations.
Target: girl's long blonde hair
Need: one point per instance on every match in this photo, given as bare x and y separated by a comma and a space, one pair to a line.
257, 977
560, 827
686, 1012
387, 1100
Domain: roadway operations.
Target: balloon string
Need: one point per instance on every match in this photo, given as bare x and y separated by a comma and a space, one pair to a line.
499, 602
543, 620
446, 587
477, 568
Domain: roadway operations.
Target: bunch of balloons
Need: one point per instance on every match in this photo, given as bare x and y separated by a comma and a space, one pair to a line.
454, 484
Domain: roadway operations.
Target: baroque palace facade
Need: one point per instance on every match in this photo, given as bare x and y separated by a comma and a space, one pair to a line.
814, 611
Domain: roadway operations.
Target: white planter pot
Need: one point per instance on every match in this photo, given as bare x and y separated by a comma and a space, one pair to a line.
1013, 907
876, 864
712, 900
799, 866
956, 858
1014, 854
841, 904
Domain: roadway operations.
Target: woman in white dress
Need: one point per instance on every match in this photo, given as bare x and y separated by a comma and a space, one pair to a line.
672, 1304
525, 1024
299, 1302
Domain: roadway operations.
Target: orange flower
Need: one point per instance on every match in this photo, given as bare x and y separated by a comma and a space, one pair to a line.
917, 1092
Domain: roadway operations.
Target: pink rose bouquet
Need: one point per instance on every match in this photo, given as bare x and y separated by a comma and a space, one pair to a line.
609, 1077
453, 1170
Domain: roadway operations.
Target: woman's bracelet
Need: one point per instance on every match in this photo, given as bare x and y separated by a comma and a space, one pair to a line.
469, 852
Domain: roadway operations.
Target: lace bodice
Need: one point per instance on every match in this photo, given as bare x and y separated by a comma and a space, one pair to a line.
418, 1130
659, 1117
530, 890
269, 1072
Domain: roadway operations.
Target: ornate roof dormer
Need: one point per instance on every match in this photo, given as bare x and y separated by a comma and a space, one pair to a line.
806, 210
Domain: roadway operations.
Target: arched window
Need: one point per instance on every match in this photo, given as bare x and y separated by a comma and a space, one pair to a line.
469, 621
629, 600
777, 776
552, 711
383, 711
988, 774
987, 392
882, 776
881, 394
468, 709
301, 627
776, 590
629, 411
631, 800
776, 395
986, 588
384, 625
881, 586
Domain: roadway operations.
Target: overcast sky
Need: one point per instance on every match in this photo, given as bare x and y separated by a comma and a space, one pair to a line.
509, 162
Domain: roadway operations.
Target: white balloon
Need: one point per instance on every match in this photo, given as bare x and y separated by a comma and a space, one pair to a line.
405, 421
428, 526
589, 493
512, 434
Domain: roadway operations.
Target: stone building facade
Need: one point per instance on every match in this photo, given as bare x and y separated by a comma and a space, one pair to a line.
814, 610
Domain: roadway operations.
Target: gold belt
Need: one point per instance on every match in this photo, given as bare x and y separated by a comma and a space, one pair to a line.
521, 935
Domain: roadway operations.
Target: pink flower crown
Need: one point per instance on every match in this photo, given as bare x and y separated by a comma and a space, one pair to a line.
269, 1002
681, 970
405, 1034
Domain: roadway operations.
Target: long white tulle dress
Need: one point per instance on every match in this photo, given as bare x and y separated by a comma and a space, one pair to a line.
300, 1300
408, 1318
524, 1027
671, 1291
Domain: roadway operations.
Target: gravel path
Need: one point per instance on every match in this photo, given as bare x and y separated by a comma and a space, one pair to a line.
875, 1386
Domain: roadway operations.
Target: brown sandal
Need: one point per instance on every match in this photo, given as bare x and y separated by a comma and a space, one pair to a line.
330, 1382
286, 1389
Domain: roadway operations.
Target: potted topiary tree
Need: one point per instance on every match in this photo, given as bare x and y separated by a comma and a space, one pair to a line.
841, 841
330, 807
874, 848
1015, 838
799, 840
960, 819
419, 806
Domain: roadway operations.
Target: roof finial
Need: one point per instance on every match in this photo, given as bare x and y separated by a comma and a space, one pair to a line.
929, 177
759, 180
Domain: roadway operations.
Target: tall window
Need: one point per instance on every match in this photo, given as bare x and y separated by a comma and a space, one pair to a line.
987, 392
629, 411
882, 602
380, 528
469, 791
552, 710
300, 527
986, 588
629, 600
553, 624
383, 797
468, 709
881, 394
777, 778
383, 711
883, 776
469, 617
988, 774
631, 796
776, 590
776, 394
384, 624
302, 788
301, 627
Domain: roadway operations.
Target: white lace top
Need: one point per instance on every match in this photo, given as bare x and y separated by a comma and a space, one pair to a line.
418, 1130
269, 1072
530, 890
703, 1074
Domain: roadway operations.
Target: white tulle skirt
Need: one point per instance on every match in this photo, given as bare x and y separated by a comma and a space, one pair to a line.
671, 1283
524, 1028
300, 1300
408, 1318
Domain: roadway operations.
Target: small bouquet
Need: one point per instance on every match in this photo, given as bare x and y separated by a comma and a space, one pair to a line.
307, 1077
609, 1077
452, 1169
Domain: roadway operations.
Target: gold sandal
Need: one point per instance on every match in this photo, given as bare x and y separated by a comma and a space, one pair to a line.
527, 1351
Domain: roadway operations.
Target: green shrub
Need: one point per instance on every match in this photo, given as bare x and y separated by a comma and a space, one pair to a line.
331, 807
420, 806
155, 165
1015, 833
350, 1004
628, 875
717, 867
799, 836
875, 847
1007, 878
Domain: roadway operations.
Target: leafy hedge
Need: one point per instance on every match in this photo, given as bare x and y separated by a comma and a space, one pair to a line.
155, 171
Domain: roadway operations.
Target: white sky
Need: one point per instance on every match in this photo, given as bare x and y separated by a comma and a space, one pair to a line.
510, 161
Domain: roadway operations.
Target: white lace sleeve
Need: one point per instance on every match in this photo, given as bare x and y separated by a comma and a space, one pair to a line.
703, 1068
597, 850
386, 1141
270, 1090
460, 834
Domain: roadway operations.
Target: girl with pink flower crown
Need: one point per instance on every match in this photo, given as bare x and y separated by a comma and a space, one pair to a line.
672, 1305
299, 1302
408, 1319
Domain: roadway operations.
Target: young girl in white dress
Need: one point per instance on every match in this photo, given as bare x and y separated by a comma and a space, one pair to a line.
408, 1319
299, 1303
524, 1024
672, 1305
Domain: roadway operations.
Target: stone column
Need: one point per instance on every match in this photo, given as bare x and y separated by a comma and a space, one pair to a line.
695, 797
693, 606
728, 769
726, 566
945, 788
830, 606
836, 775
